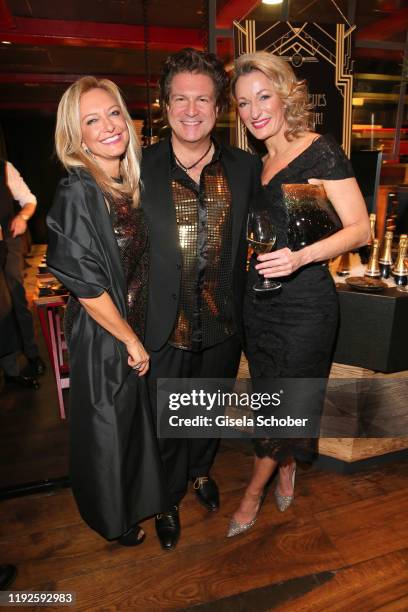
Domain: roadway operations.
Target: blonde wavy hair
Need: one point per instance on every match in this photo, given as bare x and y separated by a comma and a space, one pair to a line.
293, 93
68, 140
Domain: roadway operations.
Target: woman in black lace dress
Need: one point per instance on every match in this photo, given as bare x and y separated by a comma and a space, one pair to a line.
98, 247
290, 334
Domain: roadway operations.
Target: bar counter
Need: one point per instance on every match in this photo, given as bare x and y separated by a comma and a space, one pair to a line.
372, 344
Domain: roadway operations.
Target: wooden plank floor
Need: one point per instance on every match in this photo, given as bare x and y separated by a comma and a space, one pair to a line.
343, 545
33, 438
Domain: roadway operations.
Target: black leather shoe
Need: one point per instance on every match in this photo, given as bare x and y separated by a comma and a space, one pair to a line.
37, 365
7, 576
168, 529
207, 492
28, 382
133, 537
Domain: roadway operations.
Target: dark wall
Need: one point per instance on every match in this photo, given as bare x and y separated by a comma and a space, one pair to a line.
29, 144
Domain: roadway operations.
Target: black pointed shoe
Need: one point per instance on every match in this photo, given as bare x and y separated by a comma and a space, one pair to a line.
168, 528
133, 537
207, 492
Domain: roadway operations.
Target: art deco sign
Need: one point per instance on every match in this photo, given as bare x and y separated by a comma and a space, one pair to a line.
321, 54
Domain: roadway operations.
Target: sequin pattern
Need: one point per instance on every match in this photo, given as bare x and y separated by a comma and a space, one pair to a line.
205, 233
311, 214
130, 229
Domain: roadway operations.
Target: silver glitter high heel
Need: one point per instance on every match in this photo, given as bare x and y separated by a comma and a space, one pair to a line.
284, 501
236, 528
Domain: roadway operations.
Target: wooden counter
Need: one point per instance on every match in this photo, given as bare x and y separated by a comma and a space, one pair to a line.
350, 450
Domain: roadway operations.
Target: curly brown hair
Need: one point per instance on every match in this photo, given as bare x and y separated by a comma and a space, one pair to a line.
197, 62
293, 92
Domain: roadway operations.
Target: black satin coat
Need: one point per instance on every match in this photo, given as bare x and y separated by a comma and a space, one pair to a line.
243, 172
115, 468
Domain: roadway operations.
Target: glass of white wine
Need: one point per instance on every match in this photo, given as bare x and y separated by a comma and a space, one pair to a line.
261, 237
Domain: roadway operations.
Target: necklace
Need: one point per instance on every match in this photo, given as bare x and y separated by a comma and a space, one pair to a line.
187, 168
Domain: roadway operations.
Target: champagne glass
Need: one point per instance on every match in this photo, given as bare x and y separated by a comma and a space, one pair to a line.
261, 236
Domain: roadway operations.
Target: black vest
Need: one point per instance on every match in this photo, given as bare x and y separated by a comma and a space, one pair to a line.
6, 201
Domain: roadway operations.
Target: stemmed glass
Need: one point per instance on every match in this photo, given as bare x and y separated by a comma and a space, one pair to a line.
261, 236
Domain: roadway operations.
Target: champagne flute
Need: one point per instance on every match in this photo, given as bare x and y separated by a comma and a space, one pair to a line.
261, 236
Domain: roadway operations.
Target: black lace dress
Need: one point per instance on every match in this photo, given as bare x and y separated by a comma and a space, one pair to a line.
291, 334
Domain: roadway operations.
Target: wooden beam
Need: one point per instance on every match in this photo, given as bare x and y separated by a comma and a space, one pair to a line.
17, 78
52, 106
56, 32
6, 18
235, 9
384, 29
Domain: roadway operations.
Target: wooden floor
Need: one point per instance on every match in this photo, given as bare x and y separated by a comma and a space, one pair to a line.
343, 545
33, 439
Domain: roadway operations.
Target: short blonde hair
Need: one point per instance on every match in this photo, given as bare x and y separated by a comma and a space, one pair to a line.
292, 92
68, 140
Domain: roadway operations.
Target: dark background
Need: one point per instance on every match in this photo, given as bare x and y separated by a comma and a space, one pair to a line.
45, 46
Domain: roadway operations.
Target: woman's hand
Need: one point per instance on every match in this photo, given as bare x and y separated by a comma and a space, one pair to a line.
138, 358
279, 263
104, 312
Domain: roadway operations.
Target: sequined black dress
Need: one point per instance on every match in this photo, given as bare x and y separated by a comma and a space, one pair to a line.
131, 234
130, 229
291, 334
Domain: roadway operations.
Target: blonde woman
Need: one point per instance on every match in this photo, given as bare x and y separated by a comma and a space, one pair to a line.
98, 247
290, 333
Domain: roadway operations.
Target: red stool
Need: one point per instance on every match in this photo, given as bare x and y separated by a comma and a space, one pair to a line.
50, 310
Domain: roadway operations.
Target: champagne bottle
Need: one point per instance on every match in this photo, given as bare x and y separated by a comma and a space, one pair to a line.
365, 250
373, 218
373, 268
386, 256
400, 269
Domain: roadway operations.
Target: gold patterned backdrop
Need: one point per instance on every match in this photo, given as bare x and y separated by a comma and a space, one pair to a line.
319, 53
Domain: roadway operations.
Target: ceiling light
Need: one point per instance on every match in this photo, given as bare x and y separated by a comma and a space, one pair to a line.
272, 1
